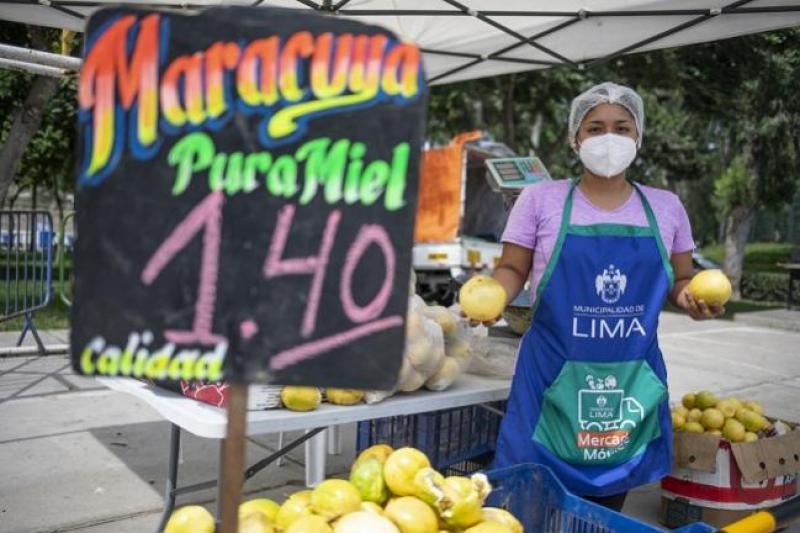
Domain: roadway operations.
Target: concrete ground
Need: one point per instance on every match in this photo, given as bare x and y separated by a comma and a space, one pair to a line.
77, 457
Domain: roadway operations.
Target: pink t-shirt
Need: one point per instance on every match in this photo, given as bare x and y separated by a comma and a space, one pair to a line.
535, 220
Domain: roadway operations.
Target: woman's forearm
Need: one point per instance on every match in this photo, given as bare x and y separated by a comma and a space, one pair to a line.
513, 269
511, 279
677, 289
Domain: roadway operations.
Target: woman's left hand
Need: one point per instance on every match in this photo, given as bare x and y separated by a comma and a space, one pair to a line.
476, 323
698, 309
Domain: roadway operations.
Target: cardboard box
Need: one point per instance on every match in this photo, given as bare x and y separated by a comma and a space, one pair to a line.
718, 482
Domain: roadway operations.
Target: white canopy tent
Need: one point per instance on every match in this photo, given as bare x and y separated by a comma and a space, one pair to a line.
466, 39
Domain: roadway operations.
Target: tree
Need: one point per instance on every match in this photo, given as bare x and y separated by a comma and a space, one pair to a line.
749, 103
679, 148
529, 111
734, 191
526, 111
38, 127
718, 115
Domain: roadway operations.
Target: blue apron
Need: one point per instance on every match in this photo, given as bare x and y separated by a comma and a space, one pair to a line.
589, 394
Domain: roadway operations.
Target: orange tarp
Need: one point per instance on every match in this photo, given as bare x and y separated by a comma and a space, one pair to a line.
440, 185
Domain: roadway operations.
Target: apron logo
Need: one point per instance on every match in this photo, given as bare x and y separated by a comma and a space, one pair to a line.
600, 328
606, 322
606, 418
610, 285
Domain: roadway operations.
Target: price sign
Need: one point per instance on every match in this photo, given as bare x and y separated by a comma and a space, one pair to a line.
246, 193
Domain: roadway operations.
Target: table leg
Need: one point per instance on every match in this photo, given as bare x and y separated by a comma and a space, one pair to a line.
172, 477
315, 459
263, 463
219, 484
334, 440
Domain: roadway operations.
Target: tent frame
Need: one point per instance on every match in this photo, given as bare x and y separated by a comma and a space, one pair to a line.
50, 64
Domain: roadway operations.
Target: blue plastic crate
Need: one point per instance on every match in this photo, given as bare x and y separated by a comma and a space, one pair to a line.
537, 498
448, 437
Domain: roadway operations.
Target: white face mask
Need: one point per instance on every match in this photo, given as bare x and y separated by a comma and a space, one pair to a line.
607, 155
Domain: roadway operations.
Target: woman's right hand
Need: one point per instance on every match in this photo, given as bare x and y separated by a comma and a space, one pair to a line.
698, 309
511, 272
476, 323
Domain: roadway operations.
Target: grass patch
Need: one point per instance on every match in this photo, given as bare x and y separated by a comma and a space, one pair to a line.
758, 256
733, 308
54, 316
748, 306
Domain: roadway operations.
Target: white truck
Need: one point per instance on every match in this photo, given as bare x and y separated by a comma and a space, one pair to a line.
478, 187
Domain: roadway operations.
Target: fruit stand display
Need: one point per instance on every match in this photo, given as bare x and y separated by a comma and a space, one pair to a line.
730, 418
389, 491
286, 263
730, 460
438, 348
270, 243
397, 491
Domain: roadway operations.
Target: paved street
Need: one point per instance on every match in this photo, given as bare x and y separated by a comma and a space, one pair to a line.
78, 457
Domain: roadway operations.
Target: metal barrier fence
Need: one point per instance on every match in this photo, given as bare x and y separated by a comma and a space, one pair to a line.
64, 245
26, 265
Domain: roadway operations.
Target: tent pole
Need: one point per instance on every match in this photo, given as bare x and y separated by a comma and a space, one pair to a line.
679, 28
37, 57
70, 12
509, 31
309, 3
33, 68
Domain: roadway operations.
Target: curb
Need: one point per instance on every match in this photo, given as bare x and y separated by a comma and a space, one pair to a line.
20, 351
768, 322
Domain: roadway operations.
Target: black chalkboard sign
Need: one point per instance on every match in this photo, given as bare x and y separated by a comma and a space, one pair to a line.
246, 193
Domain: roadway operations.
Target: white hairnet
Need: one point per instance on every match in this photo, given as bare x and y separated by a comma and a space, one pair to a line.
606, 93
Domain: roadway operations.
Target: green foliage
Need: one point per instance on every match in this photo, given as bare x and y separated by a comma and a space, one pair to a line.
49, 159
746, 101
715, 252
768, 287
735, 186
54, 316
735, 307
758, 256
711, 109
524, 100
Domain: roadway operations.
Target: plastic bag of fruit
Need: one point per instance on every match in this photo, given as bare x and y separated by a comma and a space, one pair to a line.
458, 351
494, 357
424, 352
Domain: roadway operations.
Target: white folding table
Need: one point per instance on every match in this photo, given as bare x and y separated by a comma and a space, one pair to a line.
210, 422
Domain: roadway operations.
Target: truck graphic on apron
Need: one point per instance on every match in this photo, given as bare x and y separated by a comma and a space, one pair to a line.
604, 407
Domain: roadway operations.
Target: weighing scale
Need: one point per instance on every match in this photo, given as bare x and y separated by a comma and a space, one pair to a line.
509, 175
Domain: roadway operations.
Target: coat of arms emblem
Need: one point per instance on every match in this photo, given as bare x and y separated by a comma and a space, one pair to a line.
610, 285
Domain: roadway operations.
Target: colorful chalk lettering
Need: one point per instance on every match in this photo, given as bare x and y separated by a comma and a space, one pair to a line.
246, 188
315, 266
125, 95
336, 167
207, 216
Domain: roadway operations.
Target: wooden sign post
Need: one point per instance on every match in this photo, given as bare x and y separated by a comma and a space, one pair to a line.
246, 193
233, 457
